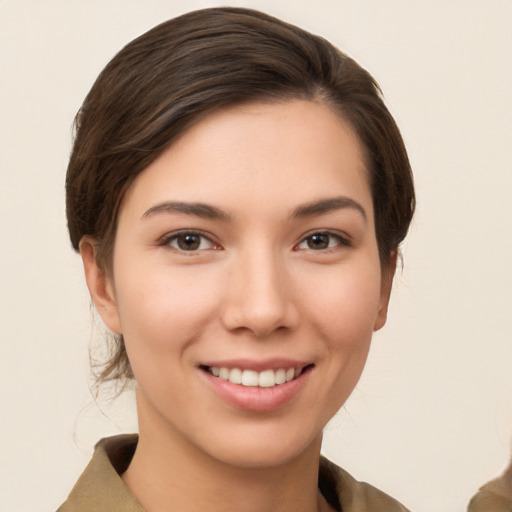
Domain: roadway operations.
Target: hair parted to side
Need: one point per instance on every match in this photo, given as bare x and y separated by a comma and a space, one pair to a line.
177, 73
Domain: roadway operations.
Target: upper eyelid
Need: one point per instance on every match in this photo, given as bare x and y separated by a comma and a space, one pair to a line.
165, 239
342, 241
332, 232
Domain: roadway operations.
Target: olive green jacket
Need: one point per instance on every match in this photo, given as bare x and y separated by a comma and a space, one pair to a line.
494, 496
100, 488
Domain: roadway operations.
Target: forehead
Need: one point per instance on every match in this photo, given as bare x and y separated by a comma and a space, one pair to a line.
269, 153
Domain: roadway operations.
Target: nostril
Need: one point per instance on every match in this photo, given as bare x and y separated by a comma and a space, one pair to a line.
258, 299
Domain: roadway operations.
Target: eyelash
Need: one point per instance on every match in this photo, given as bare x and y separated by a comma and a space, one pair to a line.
339, 239
175, 237
167, 240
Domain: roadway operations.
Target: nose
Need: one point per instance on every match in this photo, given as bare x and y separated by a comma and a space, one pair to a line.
259, 295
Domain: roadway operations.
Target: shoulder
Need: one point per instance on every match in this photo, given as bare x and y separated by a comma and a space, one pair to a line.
351, 494
494, 496
100, 487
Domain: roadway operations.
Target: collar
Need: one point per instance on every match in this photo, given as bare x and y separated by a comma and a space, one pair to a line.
100, 488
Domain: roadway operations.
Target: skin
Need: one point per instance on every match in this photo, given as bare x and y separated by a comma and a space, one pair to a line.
256, 288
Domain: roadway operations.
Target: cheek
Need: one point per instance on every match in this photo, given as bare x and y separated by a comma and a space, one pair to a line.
345, 306
162, 310
341, 312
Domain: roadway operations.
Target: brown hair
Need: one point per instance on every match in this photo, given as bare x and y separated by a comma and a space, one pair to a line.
180, 71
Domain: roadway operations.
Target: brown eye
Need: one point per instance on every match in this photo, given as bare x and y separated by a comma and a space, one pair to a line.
318, 241
189, 241
321, 241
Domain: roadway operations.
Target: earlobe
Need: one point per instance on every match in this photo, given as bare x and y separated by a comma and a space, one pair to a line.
388, 273
100, 286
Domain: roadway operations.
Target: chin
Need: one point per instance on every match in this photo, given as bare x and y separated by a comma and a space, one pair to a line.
254, 448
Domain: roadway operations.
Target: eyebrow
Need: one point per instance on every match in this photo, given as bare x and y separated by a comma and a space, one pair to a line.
202, 210
207, 211
328, 205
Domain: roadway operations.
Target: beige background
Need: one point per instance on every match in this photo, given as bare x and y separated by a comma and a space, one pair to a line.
431, 418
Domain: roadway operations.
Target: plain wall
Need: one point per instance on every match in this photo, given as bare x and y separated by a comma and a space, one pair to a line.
431, 418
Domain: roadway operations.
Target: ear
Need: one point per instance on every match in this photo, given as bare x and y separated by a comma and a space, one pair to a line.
100, 286
388, 273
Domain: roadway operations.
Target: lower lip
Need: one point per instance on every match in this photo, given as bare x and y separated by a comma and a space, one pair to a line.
252, 398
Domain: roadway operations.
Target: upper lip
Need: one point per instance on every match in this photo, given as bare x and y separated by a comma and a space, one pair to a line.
258, 366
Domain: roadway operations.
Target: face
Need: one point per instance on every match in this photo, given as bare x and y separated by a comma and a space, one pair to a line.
246, 281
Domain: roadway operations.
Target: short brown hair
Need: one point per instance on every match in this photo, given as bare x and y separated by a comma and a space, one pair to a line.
182, 70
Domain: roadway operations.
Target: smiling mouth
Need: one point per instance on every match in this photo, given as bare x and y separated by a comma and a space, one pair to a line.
251, 378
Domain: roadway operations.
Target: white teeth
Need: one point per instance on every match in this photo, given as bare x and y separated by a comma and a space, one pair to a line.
251, 378
281, 376
235, 376
267, 379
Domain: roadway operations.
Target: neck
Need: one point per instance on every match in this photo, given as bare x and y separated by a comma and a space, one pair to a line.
168, 473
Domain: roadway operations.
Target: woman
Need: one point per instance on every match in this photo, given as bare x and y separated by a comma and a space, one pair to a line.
238, 192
